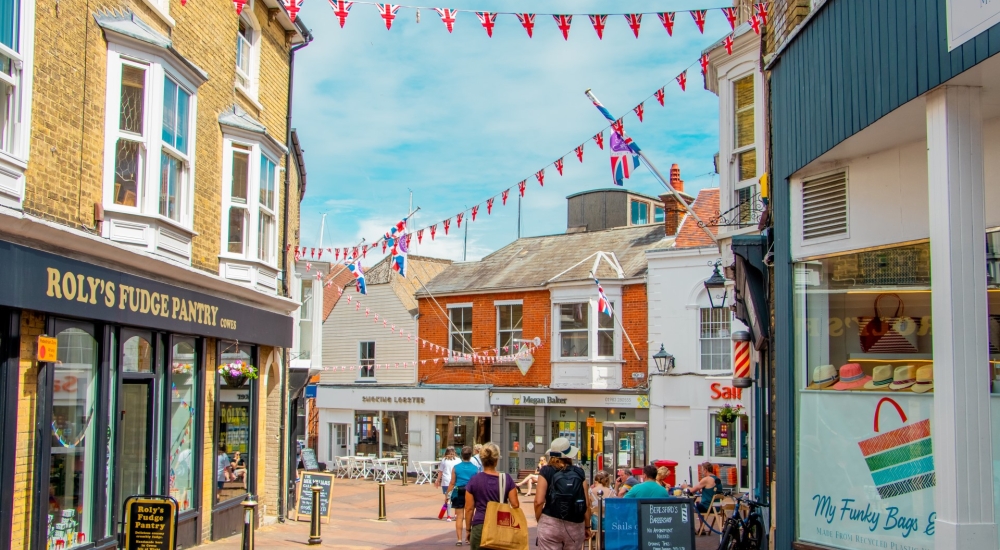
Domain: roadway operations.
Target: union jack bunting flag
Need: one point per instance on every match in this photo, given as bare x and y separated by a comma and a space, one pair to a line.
728, 43
730, 14
388, 13
540, 176
762, 12
488, 20
559, 166
489, 205
564, 21
755, 24
634, 21
667, 18
458, 219
699, 19
638, 111
527, 21
521, 185
434, 230
293, 7
579, 152
340, 10
619, 127
659, 96
704, 63
447, 225
599, 21
599, 139
447, 17
503, 196
475, 210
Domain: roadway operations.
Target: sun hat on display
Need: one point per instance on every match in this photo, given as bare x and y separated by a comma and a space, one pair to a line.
851, 377
903, 377
561, 448
925, 379
881, 378
823, 377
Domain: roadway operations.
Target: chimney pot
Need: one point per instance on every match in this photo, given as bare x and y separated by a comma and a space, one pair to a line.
675, 178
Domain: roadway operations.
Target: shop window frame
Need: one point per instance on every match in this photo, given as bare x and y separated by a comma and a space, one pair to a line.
252, 386
10, 334
201, 373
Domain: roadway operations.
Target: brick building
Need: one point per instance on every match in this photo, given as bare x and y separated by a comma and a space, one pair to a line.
149, 193
525, 321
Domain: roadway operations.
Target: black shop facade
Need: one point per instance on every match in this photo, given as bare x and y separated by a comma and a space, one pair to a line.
110, 387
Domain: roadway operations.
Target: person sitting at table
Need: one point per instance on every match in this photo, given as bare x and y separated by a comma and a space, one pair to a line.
707, 487
532, 479
238, 467
649, 488
661, 476
625, 481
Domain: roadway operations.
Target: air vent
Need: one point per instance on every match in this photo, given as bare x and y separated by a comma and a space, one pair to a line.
824, 206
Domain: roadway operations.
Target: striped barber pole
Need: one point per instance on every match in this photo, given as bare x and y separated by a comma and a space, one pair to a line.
741, 360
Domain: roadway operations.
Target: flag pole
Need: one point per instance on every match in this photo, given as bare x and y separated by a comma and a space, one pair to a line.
652, 168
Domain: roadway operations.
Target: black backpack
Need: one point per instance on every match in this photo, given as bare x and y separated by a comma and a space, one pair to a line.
566, 498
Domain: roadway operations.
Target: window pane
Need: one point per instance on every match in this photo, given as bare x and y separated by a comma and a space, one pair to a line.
10, 23
606, 343
747, 164
183, 408
510, 317
183, 108
170, 178
241, 175
133, 99
606, 321
640, 214
237, 227
127, 169
9, 102
744, 108
267, 169
658, 216
169, 111
265, 236
232, 461
715, 342
574, 316
137, 355
72, 463
573, 344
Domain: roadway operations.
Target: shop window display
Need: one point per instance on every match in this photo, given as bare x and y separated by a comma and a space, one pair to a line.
458, 431
183, 427
234, 419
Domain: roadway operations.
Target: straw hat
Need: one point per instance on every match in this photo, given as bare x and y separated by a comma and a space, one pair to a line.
925, 379
881, 378
903, 377
823, 377
562, 448
851, 377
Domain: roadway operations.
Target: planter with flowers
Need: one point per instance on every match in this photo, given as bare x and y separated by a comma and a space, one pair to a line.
729, 413
237, 373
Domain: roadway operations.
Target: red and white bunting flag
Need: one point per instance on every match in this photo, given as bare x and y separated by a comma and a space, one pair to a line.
293, 7
435, 361
762, 12
489, 205
348, 298
364, 250
682, 80
559, 166
376, 317
319, 276
320, 256
367, 312
388, 12
423, 343
354, 253
385, 324
475, 210
599, 139
618, 127
639, 111
503, 196
447, 225
527, 21
540, 176
704, 63
488, 20
579, 152
699, 19
755, 24
599, 21
730, 14
447, 17
667, 18
340, 10
434, 230
393, 328
564, 21
458, 218
728, 43
420, 236
384, 245
423, 361
659, 96
357, 306
312, 252
308, 266
634, 22
521, 185
239, 5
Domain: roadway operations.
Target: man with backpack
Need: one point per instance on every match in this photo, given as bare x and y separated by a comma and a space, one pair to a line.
562, 500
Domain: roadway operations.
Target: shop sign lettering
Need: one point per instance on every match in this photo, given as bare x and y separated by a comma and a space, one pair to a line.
397, 399
725, 392
150, 523
543, 400
846, 510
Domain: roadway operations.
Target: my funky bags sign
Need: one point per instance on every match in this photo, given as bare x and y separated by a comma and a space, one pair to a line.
56, 284
866, 470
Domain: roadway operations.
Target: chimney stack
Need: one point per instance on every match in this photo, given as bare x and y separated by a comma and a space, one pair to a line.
675, 178
673, 212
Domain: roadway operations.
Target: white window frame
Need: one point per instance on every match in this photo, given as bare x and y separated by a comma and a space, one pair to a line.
451, 328
727, 341
741, 186
642, 203
247, 81
268, 256
255, 150
366, 372
507, 303
147, 201
593, 328
14, 158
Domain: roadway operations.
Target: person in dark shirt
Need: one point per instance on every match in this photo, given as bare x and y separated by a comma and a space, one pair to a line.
239, 467
563, 518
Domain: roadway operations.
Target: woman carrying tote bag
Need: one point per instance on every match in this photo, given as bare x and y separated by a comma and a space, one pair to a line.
483, 491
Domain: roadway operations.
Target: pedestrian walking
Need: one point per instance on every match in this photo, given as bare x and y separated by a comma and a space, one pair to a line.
562, 500
444, 478
484, 488
460, 476
478, 462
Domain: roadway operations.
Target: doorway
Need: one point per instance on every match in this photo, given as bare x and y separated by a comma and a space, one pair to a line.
523, 447
337, 440
624, 445
134, 423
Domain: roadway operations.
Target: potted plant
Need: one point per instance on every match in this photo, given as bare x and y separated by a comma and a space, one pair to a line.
730, 413
237, 373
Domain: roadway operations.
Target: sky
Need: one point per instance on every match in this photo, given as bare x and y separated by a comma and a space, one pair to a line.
456, 118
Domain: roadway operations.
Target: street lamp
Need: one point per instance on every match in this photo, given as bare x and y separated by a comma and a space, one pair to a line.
664, 361
715, 283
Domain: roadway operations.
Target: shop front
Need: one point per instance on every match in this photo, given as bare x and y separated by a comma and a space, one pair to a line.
611, 429
120, 407
417, 423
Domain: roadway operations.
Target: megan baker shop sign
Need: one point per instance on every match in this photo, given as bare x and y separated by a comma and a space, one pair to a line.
55, 284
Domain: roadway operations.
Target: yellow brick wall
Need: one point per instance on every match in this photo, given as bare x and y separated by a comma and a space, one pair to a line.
32, 325
208, 456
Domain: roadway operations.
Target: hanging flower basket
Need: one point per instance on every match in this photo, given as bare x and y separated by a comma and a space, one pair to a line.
730, 413
237, 373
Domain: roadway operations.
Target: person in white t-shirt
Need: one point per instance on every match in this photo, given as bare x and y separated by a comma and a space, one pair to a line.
444, 475
478, 462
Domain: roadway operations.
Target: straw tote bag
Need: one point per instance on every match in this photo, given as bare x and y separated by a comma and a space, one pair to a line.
896, 334
504, 527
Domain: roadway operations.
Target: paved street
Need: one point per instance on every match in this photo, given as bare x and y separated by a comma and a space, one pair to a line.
413, 523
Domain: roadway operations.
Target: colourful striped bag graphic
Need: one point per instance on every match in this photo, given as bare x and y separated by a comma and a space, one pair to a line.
900, 461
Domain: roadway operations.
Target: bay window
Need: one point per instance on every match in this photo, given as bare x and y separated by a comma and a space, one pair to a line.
174, 155
265, 217
585, 332
249, 203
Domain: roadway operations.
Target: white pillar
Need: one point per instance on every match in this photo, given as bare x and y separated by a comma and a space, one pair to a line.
963, 454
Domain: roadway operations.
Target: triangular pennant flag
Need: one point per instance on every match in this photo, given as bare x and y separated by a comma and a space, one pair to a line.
527, 21
728, 43
704, 63
239, 5
619, 127
458, 219
312, 252
336, 253
447, 17
579, 152
540, 176
682, 80
599, 138
639, 111
420, 236
521, 185
755, 24
559, 166
367, 312
599, 21
730, 14
475, 210
293, 7
308, 266
667, 18
320, 256
388, 12
699, 19
503, 196
564, 21
434, 230
384, 245
762, 12
488, 20
447, 225
634, 22
659, 96
376, 317
489, 205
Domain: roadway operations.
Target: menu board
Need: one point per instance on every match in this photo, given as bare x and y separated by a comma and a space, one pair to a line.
325, 482
308, 457
150, 523
666, 524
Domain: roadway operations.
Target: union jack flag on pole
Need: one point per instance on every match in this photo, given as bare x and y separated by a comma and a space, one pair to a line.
359, 275
603, 304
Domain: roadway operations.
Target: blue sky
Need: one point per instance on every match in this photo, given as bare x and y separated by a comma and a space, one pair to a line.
458, 117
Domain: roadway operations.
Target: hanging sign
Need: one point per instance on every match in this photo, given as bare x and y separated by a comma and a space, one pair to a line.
150, 523
524, 363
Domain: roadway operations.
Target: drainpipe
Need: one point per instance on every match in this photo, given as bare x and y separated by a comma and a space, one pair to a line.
282, 432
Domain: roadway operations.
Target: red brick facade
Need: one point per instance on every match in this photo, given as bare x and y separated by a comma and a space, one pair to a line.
537, 321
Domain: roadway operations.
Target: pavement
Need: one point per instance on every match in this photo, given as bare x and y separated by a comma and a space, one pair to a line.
412, 522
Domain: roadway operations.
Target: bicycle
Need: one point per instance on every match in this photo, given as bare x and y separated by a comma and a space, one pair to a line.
741, 533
